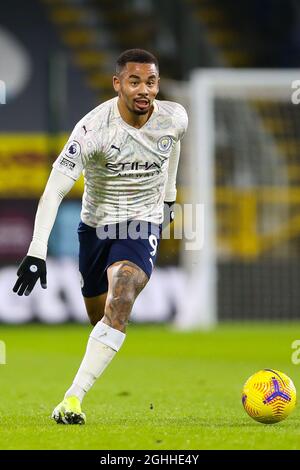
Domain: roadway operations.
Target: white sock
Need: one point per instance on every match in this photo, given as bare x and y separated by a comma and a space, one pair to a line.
102, 346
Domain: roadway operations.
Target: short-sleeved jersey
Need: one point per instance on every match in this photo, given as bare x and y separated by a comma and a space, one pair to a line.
125, 169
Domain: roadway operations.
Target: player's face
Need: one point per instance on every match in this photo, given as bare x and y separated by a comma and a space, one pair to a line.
137, 86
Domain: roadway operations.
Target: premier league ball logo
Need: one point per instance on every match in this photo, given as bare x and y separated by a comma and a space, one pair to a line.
73, 149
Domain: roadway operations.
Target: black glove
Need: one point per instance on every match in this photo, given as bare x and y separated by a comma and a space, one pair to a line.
169, 214
30, 270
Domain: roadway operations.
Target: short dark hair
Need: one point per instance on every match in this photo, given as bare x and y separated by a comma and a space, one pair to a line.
135, 55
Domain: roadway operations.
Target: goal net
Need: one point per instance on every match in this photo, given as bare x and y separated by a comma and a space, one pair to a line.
244, 168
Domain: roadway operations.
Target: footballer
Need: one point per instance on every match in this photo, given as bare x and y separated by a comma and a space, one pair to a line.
128, 149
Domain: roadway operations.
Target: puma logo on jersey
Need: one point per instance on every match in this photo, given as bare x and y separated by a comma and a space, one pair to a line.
114, 147
85, 130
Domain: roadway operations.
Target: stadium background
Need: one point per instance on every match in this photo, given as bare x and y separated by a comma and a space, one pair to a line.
57, 58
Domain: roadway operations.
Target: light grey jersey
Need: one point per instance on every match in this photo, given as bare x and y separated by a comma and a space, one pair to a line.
125, 169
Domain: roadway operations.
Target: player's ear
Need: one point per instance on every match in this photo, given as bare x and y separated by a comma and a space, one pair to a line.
116, 83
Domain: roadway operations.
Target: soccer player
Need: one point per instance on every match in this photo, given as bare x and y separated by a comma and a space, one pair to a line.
128, 150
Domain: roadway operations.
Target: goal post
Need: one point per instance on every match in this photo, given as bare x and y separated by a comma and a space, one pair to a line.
244, 168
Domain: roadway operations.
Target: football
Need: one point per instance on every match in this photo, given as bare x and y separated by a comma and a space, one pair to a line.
269, 396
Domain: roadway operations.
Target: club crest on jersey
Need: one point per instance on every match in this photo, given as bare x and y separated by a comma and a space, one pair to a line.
73, 149
164, 143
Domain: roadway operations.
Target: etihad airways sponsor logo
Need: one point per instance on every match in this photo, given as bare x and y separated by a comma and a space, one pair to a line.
133, 166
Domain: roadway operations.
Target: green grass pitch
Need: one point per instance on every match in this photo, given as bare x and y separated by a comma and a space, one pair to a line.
163, 390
